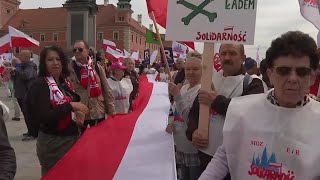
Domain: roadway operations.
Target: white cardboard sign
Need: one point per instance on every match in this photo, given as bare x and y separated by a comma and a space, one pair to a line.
224, 21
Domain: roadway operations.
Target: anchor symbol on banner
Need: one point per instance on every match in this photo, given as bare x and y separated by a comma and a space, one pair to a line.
196, 11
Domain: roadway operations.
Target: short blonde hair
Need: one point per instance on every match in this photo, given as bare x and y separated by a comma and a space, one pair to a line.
194, 56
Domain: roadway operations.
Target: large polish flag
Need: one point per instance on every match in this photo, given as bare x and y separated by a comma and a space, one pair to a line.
134, 146
5, 44
20, 39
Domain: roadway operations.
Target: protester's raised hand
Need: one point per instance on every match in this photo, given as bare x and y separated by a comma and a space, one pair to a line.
198, 141
173, 89
207, 97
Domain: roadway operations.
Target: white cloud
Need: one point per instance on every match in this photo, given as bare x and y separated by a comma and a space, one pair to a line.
274, 18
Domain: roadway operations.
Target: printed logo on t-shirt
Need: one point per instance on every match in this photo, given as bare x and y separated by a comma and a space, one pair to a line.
177, 117
268, 167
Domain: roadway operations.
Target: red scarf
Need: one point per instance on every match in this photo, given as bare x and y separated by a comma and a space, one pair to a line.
58, 98
89, 75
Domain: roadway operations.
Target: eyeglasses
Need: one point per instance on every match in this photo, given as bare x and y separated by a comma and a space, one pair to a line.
78, 49
300, 71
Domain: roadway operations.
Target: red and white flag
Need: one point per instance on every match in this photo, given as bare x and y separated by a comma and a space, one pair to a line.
134, 146
107, 43
20, 39
115, 53
112, 53
309, 9
5, 44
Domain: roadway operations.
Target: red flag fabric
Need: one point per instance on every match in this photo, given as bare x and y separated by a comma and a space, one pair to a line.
159, 9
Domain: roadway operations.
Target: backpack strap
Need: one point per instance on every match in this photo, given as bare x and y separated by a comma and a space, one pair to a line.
246, 81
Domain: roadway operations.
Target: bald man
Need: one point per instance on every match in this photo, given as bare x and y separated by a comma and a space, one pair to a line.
23, 76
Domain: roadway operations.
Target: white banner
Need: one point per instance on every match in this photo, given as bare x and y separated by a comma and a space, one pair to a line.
228, 21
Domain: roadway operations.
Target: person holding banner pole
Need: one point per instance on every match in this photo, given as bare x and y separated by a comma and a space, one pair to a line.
229, 83
186, 154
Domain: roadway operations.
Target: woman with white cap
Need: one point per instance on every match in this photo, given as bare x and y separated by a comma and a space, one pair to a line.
121, 88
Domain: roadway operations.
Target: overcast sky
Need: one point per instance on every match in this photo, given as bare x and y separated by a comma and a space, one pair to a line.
274, 18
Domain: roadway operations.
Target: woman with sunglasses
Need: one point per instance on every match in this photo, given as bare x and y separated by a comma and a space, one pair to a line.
274, 135
121, 88
51, 103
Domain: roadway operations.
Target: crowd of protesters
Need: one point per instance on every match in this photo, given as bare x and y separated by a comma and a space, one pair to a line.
257, 109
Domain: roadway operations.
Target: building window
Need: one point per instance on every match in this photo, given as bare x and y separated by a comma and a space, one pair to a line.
55, 36
121, 18
42, 37
8, 11
100, 36
132, 37
115, 35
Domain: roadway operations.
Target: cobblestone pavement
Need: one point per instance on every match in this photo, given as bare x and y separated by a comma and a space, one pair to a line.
28, 167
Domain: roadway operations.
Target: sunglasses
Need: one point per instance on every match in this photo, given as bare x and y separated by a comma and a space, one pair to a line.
300, 71
78, 49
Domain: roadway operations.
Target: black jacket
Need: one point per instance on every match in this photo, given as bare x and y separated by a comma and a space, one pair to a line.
43, 115
8, 164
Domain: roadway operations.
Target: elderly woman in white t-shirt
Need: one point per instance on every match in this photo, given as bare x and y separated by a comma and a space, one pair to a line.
186, 153
121, 88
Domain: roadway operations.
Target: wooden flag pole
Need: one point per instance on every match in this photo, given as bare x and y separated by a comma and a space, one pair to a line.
162, 49
206, 81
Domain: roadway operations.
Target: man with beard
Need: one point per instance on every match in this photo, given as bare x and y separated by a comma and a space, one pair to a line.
229, 83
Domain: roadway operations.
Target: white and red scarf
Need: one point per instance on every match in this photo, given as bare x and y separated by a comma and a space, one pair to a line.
58, 98
89, 75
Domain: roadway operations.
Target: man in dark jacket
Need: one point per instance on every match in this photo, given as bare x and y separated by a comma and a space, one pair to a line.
23, 76
7, 156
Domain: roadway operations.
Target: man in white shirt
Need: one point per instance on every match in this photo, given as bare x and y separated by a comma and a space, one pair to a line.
274, 135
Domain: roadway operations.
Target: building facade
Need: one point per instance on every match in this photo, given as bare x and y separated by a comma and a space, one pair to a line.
49, 26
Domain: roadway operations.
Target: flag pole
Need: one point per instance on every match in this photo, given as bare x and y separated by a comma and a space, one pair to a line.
162, 49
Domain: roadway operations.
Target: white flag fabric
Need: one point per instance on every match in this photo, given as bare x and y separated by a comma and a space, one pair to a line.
115, 53
309, 9
135, 55
134, 146
20, 39
108, 43
126, 53
153, 56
